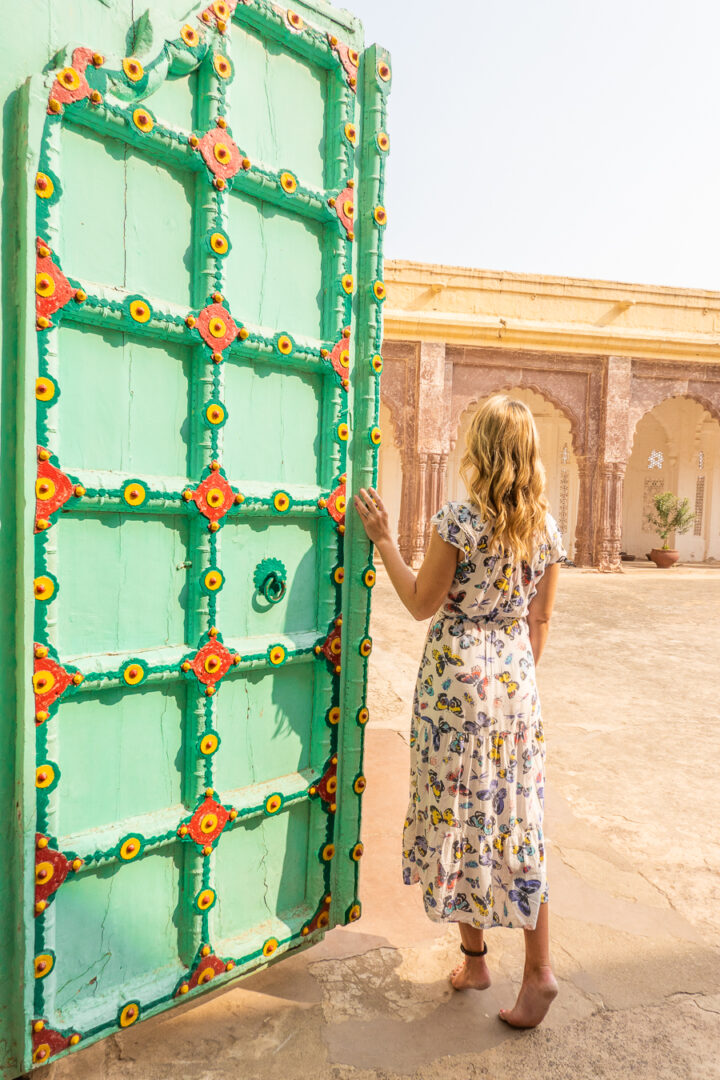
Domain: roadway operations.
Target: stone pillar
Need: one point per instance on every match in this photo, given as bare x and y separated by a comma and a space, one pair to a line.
584, 527
612, 463
417, 551
610, 478
432, 445
407, 506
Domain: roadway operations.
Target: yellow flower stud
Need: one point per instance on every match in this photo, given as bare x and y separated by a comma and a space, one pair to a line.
190, 36
133, 69
205, 899
347, 283
277, 655
270, 946
129, 1014
222, 66
44, 186
288, 183
219, 243
142, 120
130, 848
134, 494
140, 311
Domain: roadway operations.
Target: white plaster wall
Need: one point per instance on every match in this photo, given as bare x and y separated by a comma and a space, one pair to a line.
554, 433
680, 428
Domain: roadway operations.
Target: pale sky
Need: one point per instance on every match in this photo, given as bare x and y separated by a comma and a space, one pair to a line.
577, 137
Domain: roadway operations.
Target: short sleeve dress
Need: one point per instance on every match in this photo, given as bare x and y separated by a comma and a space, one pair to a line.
473, 835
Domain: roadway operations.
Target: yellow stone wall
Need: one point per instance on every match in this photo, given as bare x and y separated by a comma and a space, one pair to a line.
463, 306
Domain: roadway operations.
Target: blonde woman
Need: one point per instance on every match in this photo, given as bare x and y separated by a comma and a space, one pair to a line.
473, 835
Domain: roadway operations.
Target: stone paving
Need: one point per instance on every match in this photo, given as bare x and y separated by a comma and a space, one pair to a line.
630, 686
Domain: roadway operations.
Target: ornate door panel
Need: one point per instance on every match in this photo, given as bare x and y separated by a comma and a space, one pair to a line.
199, 385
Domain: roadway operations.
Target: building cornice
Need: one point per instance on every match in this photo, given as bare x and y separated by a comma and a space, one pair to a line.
458, 329
461, 306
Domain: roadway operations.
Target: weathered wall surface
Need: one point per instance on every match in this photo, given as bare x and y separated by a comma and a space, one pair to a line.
603, 354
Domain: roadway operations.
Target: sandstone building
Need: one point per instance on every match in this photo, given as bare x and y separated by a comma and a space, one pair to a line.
623, 380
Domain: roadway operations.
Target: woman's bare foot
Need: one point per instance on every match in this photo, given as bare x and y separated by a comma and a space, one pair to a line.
473, 974
536, 995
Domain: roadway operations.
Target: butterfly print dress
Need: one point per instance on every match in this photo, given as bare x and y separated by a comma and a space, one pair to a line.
473, 834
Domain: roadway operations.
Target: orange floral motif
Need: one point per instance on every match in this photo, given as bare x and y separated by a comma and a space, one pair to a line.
214, 496
349, 59
205, 972
321, 918
52, 490
340, 358
220, 153
337, 504
51, 869
207, 822
50, 681
46, 1043
345, 209
52, 288
70, 83
216, 327
326, 787
332, 645
212, 662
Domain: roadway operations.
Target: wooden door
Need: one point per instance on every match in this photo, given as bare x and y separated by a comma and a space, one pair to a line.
199, 386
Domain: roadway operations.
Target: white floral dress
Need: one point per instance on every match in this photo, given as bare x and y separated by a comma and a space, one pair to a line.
473, 835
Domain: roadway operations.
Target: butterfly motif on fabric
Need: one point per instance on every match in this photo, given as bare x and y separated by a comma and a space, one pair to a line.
457, 744
526, 572
452, 704
436, 785
475, 677
446, 658
524, 889
509, 683
465, 571
496, 794
513, 629
503, 583
447, 878
455, 785
462, 847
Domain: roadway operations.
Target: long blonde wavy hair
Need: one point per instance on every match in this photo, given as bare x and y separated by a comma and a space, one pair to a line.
504, 475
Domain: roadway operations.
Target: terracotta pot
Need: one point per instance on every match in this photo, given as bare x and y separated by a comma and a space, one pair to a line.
664, 557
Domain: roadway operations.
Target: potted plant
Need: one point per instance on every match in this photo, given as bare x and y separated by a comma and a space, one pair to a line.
672, 515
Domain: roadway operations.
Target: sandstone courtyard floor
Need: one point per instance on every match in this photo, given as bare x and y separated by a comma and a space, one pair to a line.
630, 687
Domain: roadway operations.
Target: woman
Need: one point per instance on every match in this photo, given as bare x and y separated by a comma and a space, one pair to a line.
473, 835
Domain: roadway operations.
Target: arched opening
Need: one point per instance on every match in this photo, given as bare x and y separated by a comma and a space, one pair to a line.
389, 469
556, 448
676, 448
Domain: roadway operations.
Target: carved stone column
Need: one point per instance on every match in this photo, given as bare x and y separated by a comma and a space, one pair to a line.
417, 549
584, 527
609, 481
407, 506
610, 473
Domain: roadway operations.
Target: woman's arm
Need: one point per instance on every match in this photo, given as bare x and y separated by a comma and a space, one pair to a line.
540, 609
423, 594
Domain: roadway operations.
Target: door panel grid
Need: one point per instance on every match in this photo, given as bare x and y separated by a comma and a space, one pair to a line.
198, 737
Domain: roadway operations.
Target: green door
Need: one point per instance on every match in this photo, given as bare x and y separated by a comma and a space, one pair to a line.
199, 386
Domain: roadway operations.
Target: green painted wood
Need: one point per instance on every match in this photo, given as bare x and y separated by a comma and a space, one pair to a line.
136, 762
